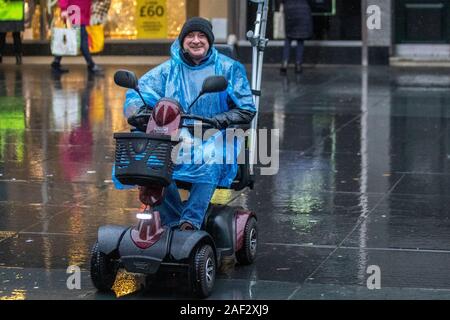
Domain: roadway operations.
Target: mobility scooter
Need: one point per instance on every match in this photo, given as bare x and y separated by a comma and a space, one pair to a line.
144, 159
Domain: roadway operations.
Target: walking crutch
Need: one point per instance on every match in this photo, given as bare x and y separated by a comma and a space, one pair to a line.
259, 42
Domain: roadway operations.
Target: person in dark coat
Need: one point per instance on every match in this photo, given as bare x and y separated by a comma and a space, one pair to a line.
15, 24
299, 26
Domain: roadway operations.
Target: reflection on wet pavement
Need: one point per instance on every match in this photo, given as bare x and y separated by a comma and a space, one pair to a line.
364, 180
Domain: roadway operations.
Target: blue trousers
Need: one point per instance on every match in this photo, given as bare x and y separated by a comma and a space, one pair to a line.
174, 212
299, 52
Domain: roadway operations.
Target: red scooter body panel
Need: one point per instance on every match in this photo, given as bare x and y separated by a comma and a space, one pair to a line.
148, 231
165, 120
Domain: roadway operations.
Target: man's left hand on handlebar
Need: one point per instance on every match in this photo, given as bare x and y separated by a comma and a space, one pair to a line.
232, 117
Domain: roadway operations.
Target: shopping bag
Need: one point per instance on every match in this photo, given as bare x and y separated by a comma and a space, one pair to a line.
99, 11
96, 38
65, 41
278, 24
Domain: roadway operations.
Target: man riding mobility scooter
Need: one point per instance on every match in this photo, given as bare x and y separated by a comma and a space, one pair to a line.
145, 159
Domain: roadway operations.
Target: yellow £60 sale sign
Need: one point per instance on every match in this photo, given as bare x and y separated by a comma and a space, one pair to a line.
151, 19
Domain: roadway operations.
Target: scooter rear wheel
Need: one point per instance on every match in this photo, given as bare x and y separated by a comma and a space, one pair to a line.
246, 255
203, 275
103, 271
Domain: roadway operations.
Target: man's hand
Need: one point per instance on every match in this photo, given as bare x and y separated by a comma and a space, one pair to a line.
233, 116
217, 124
140, 119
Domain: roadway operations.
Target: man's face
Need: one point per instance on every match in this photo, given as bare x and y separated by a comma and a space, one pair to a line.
196, 44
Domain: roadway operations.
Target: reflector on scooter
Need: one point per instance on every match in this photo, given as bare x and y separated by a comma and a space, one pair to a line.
144, 216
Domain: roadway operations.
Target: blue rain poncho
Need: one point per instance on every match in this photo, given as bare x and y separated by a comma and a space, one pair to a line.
177, 80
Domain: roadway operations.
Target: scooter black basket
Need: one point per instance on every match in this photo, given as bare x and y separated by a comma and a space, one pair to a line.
143, 159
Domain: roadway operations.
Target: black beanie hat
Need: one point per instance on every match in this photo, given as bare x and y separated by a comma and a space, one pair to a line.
197, 24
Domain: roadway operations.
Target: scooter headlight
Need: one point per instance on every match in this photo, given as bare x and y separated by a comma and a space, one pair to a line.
144, 216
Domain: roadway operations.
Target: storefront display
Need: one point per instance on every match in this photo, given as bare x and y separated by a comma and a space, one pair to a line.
145, 19
127, 19
11, 10
151, 19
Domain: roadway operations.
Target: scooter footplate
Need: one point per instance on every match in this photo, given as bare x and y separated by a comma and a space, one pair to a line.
140, 264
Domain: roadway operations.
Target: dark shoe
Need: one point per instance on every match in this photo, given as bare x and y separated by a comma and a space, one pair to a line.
298, 68
96, 70
18, 59
186, 226
1, 59
283, 69
56, 68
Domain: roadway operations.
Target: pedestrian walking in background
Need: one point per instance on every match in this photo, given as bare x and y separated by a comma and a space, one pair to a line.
11, 20
85, 12
299, 27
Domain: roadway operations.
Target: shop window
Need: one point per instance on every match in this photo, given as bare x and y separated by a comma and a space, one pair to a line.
333, 19
145, 19
126, 19
343, 24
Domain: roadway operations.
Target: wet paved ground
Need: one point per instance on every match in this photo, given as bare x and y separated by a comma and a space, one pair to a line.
364, 180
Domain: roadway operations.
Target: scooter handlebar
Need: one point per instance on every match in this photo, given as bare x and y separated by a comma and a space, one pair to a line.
208, 121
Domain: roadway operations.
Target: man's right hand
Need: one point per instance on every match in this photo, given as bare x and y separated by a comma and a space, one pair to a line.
140, 119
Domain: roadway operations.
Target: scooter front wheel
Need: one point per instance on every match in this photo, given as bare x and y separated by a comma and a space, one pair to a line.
203, 273
103, 270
